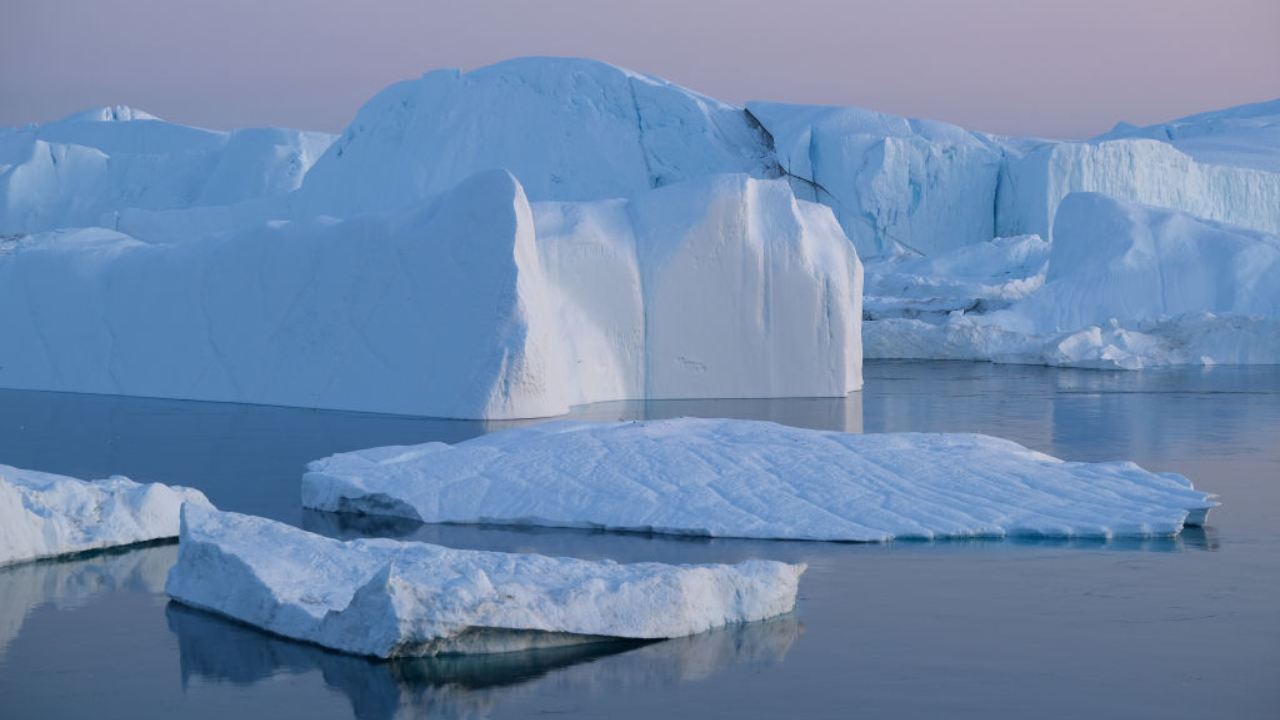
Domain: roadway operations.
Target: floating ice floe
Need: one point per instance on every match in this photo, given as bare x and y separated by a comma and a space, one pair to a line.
750, 479
46, 515
385, 598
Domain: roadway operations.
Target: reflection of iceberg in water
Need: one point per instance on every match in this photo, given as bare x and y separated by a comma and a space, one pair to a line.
72, 582
218, 650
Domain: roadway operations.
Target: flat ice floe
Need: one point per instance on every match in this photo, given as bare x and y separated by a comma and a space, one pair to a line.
46, 515
749, 479
385, 598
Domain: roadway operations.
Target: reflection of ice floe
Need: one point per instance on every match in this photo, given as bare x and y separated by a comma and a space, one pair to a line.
73, 582
217, 650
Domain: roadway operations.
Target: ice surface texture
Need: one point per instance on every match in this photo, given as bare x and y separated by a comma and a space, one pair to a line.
748, 479
45, 515
385, 598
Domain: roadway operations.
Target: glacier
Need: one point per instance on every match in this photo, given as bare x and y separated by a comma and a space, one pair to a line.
754, 479
44, 515
384, 598
475, 304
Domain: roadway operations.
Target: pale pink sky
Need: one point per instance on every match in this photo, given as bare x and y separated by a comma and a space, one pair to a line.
1065, 69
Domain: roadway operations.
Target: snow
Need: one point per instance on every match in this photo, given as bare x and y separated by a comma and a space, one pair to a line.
894, 183
384, 598
569, 129
45, 515
751, 479
1126, 286
72, 172
474, 304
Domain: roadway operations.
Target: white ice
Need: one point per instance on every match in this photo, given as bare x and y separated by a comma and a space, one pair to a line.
1126, 286
46, 515
751, 479
385, 598
894, 183
82, 170
474, 304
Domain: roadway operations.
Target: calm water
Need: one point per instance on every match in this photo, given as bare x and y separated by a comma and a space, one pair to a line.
1174, 629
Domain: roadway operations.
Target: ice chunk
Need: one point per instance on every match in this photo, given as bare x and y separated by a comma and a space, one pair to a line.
471, 305
45, 515
980, 277
894, 183
737, 478
570, 129
385, 598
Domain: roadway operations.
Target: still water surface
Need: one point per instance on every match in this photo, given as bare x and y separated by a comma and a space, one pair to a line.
1160, 628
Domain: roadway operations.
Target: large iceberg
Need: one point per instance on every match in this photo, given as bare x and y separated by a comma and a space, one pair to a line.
894, 183
46, 515
83, 169
1126, 286
570, 129
385, 598
474, 304
752, 479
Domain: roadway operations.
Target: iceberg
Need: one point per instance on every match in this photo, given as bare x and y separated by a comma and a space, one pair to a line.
1141, 171
45, 515
1243, 136
475, 304
570, 129
81, 170
1126, 286
384, 598
752, 479
895, 184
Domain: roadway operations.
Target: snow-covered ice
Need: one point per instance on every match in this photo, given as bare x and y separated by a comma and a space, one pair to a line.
474, 304
46, 515
385, 598
751, 479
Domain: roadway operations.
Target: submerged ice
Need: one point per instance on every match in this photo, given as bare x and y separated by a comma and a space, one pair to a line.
385, 598
749, 479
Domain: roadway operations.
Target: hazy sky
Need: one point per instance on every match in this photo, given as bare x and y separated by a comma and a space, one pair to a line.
1054, 68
